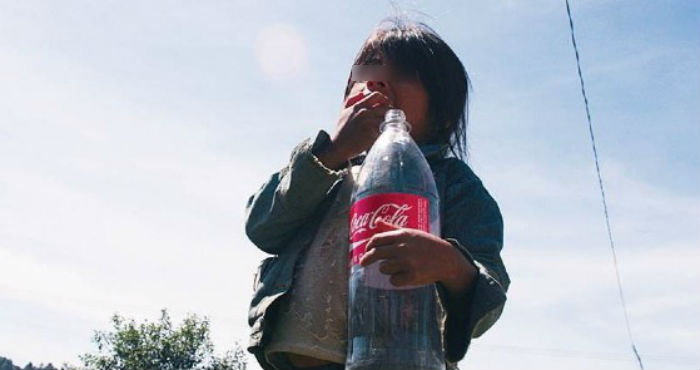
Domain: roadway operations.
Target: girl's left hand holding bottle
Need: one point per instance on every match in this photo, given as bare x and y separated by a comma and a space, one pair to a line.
415, 257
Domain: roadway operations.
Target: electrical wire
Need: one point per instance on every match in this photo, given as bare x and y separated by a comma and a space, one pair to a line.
581, 354
602, 190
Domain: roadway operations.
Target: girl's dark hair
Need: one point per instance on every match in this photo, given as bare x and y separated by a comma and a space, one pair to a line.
415, 48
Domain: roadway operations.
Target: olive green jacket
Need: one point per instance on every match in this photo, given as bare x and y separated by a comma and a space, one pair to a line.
283, 215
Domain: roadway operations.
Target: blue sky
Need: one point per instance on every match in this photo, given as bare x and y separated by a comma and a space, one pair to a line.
132, 134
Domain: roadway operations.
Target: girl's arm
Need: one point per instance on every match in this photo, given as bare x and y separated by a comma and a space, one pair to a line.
473, 224
289, 197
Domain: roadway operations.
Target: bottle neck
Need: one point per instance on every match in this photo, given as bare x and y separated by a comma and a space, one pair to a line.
397, 125
396, 119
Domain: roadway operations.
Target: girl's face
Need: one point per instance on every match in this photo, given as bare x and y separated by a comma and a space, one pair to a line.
404, 92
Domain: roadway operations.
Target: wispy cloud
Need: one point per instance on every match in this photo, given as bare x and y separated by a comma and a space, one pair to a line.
111, 206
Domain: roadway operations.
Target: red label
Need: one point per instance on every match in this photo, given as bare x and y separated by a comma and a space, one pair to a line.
399, 209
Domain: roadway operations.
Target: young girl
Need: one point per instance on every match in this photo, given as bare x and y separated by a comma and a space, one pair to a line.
298, 313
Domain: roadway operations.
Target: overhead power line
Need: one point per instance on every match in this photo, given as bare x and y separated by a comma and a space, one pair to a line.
602, 190
581, 354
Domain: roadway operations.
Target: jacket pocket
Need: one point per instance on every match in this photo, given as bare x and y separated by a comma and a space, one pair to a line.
263, 268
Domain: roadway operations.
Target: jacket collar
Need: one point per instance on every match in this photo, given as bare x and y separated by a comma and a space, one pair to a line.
434, 151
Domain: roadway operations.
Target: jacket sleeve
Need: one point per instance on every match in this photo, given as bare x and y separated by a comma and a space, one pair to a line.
276, 211
474, 225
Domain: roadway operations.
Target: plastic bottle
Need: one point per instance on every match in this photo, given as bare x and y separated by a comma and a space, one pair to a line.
389, 327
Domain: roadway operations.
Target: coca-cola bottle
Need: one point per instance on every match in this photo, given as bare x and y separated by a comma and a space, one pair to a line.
390, 327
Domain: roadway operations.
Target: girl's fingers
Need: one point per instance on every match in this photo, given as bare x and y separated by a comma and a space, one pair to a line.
378, 253
354, 99
401, 278
392, 266
372, 100
390, 236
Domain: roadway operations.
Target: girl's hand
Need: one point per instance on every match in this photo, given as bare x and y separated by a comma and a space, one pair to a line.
357, 128
415, 257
